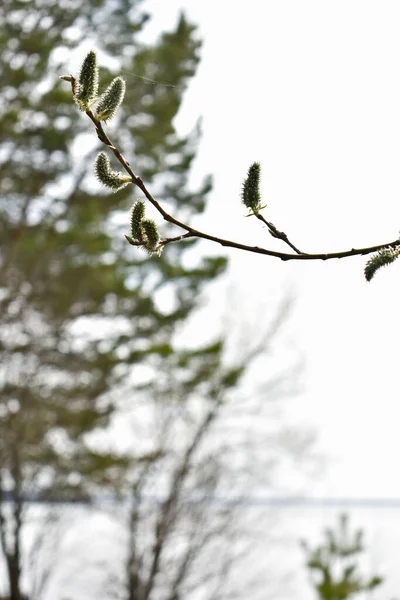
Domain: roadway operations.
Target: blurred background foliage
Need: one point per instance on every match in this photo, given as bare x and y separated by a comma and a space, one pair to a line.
96, 396
335, 566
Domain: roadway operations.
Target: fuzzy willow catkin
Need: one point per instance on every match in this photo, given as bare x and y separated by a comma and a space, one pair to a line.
109, 102
136, 218
381, 259
251, 188
152, 235
88, 83
115, 180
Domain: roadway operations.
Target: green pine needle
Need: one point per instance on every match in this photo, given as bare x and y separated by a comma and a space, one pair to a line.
115, 180
381, 259
251, 188
109, 102
88, 83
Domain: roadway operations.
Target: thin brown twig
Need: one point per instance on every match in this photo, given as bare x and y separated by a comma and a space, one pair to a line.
163, 242
192, 232
280, 235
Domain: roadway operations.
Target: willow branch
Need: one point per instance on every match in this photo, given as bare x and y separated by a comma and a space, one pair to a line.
192, 232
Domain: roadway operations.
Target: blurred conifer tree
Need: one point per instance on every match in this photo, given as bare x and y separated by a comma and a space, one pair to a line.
79, 308
335, 564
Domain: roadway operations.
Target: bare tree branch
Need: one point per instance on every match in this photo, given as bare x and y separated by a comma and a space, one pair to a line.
165, 518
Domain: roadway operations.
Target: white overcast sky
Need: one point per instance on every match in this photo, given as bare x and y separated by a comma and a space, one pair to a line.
311, 90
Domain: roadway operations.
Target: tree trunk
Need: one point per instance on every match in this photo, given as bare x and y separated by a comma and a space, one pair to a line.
14, 575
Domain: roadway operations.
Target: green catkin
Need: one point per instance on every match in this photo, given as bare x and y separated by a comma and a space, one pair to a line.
381, 259
151, 232
136, 218
115, 180
109, 102
251, 188
88, 83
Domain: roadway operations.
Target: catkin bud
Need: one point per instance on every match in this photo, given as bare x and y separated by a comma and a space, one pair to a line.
136, 218
152, 234
251, 188
111, 99
114, 180
381, 259
88, 83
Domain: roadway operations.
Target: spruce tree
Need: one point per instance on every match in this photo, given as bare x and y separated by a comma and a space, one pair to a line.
79, 307
335, 564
